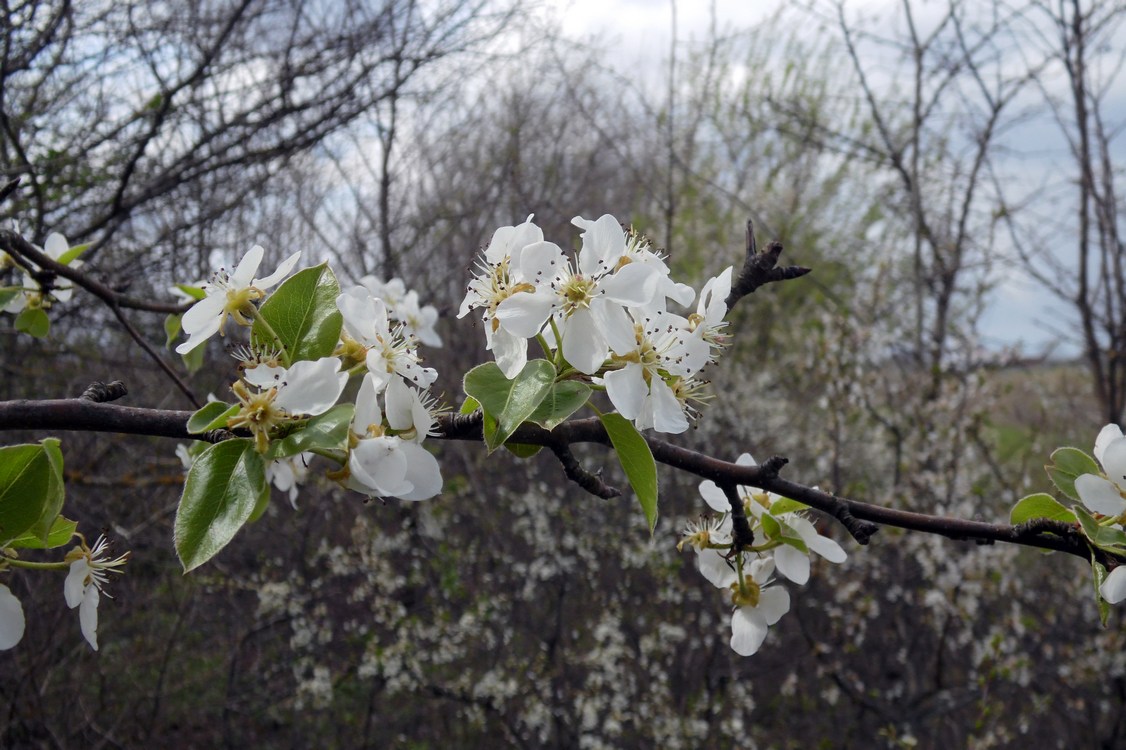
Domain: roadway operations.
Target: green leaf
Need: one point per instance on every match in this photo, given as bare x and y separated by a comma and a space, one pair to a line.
9, 293
194, 292
1104, 537
171, 329
25, 488
469, 406
193, 360
1067, 464
302, 312
328, 431
1098, 575
1040, 505
62, 531
563, 400
523, 450
785, 505
212, 416
56, 490
771, 526
637, 461
72, 254
510, 402
224, 486
33, 321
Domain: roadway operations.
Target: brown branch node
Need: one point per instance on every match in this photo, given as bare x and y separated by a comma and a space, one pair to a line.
760, 269
100, 392
742, 537
861, 531
218, 436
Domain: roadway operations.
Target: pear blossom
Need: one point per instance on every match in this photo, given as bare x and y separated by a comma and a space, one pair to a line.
587, 298
271, 395
638, 389
287, 473
757, 607
1104, 495
499, 278
11, 619
231, 294
387, 458
32, 294
386, 350
403, 306
89, 569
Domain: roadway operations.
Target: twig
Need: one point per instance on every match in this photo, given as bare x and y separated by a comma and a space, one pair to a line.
742, 537
590, 482
100, 392
760, 269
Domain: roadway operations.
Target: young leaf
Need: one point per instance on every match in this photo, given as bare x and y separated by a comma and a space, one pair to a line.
9, 293
25, 487
1098, 575
193, 360
786, 505
61, 532
637, 462
328, 431
212, 416
469, 406
563, 400
510, 402
194, 292
224, 486
1040, 505
1104, 537
72, 254
1067, 464
56, 490
302, 312
33, 321
171, 329
523, 450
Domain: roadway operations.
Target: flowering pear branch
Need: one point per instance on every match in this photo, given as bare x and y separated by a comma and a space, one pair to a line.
760, 269
78, 414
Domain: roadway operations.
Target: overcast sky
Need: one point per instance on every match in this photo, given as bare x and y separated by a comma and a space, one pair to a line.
636, 35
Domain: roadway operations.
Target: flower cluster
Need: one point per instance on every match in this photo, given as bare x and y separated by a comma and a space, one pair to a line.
1105, 495
784, 540
403, 307
30, 294
386, 456
604, 312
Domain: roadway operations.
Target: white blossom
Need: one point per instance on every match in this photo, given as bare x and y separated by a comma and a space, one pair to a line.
11, 619
84, 583
230, 294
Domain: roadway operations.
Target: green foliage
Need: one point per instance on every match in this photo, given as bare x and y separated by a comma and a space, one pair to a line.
303, 314
172, 327
33, 321
31, 489
1067, 464
1106, 538
562, 400
637, 462
211, 416
224, 487
325, 432
1040, 505
509, 402
61, 532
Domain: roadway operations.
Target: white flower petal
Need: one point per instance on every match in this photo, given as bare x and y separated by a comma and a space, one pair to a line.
367, 406
74, 587
714, 496
634, 284
510, 352
1100, 495
773, 602
714, 567
423, 472
524, 313
247, 267
1114, 462
1114, 586
748, 630
283, 271
88, 615
11, 619
583, 344
626, 389
668, 413
1107, 435
380, 466
398, 400
792, 563
604, 243
541, 261
311, 387
828, 548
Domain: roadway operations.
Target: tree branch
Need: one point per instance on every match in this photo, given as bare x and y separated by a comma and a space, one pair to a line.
859, 518
760, 269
